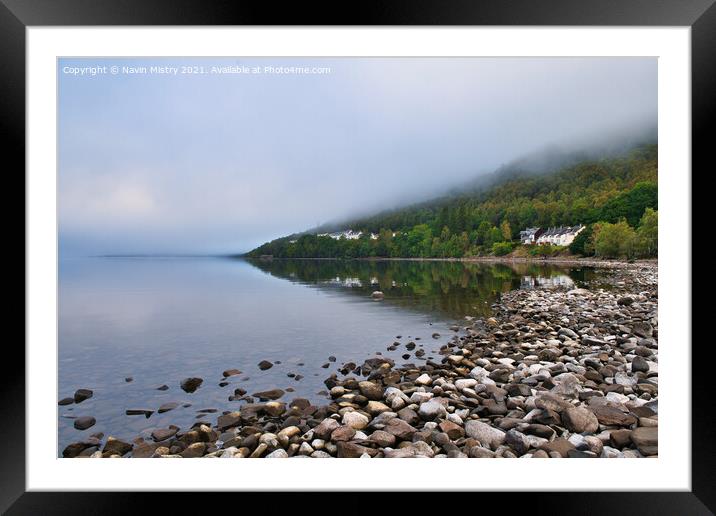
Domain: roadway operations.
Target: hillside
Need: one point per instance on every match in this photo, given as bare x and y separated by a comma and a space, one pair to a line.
471, 222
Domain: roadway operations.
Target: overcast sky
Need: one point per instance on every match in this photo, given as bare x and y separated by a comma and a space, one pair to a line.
207, 163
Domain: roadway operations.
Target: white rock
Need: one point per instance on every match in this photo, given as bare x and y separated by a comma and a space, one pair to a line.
355, 420
622, 378
455, 419
397, 404
423, 379
305, 449
392, 393
465, 383
229, 452
616, 397
432, 410
486, 434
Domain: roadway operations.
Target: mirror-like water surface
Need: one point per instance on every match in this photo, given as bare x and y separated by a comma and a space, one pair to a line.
159, 320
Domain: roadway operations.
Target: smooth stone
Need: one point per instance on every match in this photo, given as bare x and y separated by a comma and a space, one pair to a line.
639, 365
611, 416
162, 434
351, 450
272, 394
646, 439
580, 420
82, 394
400, 429
355, 420
431, 410
342, 433
228, 420
116, 446
423, 379
485, 433
277, 454
382, 438
560, 445
325, 428
453, 430
371, 390
84, 422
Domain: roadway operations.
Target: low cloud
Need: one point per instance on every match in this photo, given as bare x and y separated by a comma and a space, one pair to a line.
222, 163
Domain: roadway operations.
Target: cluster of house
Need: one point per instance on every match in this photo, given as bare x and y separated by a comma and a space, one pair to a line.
563, 235
349, 234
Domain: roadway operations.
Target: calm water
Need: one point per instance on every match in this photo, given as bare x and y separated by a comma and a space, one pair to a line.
159, 320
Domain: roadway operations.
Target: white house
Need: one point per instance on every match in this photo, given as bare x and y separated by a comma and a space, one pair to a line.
348, 233
563, 235
530, 235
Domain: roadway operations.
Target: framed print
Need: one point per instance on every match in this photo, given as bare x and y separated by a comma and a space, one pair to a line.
457, 231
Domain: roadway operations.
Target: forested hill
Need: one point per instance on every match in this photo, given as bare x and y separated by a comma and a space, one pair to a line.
471, 223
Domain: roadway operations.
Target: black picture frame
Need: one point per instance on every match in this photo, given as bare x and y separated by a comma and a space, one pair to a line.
17, 15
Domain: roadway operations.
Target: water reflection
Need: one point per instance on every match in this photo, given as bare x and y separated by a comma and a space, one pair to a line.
454, 289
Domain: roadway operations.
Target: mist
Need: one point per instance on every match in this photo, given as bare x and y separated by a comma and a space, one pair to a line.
221, 163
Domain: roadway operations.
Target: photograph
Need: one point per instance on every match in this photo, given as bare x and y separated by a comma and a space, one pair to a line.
357, 257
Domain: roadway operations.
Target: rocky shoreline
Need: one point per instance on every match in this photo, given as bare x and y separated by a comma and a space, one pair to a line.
553, 373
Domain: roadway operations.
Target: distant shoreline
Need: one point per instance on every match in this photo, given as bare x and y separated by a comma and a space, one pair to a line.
589, 262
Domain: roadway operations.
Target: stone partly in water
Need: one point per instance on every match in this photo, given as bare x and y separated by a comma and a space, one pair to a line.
139, 412
162, 434
265, 364
84, 422
166, 407
82, 394
272, 394
116, 446
377, 295
190, 384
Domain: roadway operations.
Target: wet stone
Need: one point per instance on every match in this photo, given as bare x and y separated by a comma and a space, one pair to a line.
82, 394
84, 422
190, 384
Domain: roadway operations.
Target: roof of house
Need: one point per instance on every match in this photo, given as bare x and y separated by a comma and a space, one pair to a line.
529, 231
562, 230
